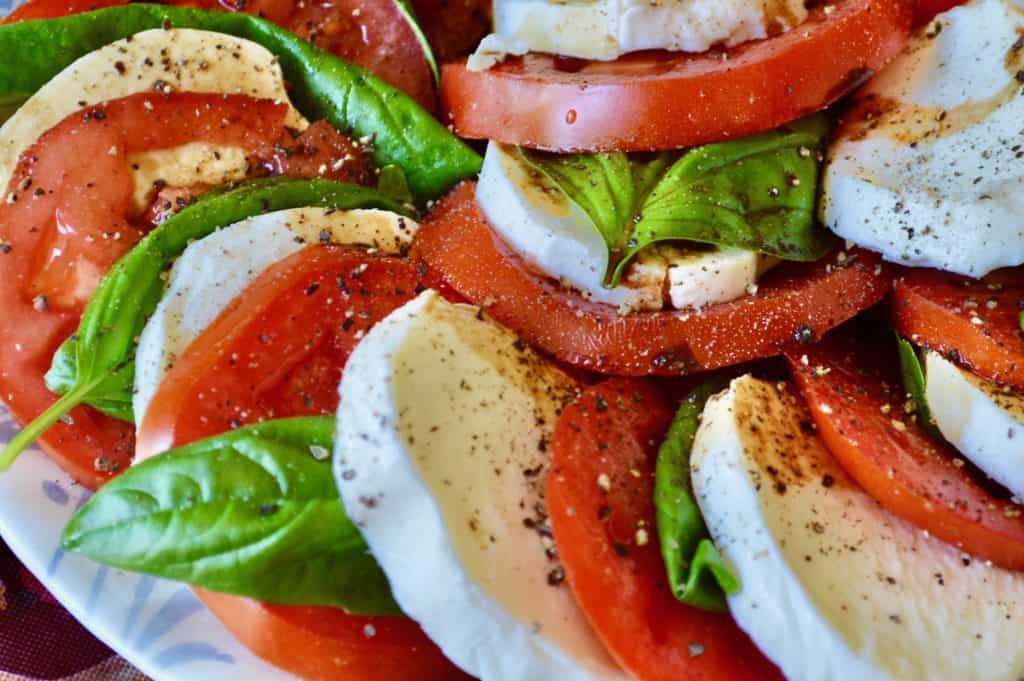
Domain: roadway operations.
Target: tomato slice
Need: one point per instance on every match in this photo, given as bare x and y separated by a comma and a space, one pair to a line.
852, 383
927, 9
278, 351
371, 33
453, 27
607, 542
66, 218
795, 303
325, 644
662, 100
973, 323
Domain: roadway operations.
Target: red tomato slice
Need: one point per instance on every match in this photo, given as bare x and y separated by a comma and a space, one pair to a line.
48, 9
927, 9
853, 385
614, 430
661, 100
453, 27
794, 303
326, 644
66, 219
371, 33
277, 351
975, 324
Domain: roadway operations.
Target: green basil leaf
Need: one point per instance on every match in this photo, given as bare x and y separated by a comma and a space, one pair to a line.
321, 85
757, 193
1020, 320
697, 573
391, 183
253, 512
11, 102
913, 383
93, 366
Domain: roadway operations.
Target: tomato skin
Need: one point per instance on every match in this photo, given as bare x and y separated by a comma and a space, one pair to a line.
614, 429
278, 351
48, 9
935, 309
325, 644
926, 10
63, 230
279, 348
793, 302
655, 101
853, 386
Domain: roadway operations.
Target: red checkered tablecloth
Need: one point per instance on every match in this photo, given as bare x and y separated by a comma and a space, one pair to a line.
40, 640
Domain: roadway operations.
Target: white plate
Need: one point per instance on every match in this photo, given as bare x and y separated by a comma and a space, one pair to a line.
158, 626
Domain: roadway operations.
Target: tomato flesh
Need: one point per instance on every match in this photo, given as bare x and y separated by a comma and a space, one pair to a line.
325, 644
66, 218
852, 383
661, 100
607, 542
794, 303
277, 351
976, 324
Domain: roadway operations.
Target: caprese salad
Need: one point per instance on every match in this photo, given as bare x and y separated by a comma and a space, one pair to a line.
709, 365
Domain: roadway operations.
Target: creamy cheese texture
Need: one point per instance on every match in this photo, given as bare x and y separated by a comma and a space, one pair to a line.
983, 421
215, 270
550, 232
608, 29
929, 171
181, 59
440, 456
835, 588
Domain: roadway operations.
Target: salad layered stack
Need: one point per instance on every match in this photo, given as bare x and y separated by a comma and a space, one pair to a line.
708, 366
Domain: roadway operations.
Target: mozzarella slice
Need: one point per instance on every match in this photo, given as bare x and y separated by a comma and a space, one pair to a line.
981, 420
215, 270
607, 29
439, 458
931, 173
551, 233
835, 588
179, 59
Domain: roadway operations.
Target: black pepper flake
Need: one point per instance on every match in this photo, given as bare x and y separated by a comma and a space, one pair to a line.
312, 288
347, 324
6, 248
120, 67
804, 334
1019, 76
556, 576
620, 549
827, 480
267, 509
600, 403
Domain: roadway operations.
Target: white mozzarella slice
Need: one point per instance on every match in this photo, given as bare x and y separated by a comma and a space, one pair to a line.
215, 270
551, 233
936, 177
980, 419
182, 60
607, 29
833, 587
439, 457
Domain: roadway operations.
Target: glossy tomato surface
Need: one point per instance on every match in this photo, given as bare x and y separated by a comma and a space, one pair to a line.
67, 217
276, 351
794, 303
607, 542
977, 324
662, 100
852, 384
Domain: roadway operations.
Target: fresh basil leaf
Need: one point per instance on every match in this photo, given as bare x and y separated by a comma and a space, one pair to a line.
1020, 320
757, 193
697, 573
93, 366
320, 84
253, 512
406, 8
391, 183
914, 385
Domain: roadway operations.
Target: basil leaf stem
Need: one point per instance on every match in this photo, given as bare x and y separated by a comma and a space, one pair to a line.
253, 512
94, 366
697, 573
